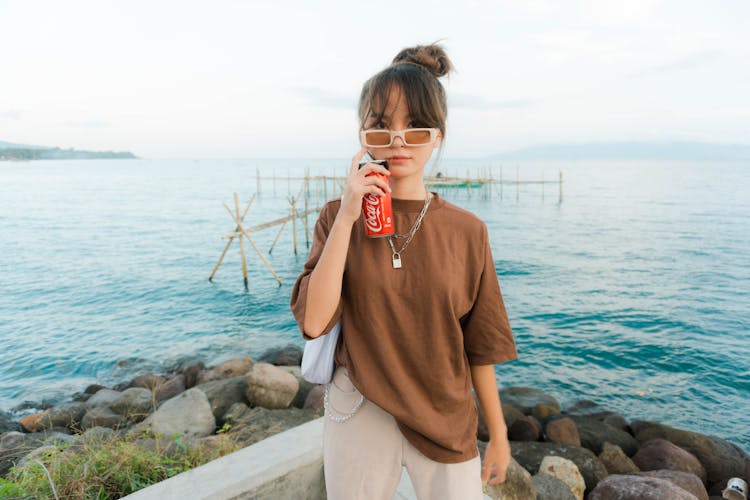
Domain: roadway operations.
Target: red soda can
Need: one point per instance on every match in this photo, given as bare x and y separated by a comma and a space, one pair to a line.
377, 211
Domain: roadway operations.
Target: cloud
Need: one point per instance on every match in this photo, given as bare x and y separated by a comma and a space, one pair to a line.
325, 98
10, 114
478, 102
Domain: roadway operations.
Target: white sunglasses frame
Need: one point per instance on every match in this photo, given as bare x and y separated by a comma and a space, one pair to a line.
398, 133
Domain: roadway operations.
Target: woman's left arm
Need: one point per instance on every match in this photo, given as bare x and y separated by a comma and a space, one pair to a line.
497, 455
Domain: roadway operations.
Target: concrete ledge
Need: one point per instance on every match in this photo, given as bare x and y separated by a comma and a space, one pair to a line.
286, 465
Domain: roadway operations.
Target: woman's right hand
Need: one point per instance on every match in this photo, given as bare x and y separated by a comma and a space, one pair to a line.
358, 185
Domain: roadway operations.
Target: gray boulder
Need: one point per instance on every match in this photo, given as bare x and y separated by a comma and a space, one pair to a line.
530, 455
658, 454
685, 480
134, 403
103, 397
518, 484
630, 487
526, 398
188, 414
551, 488
224, 393
721, 459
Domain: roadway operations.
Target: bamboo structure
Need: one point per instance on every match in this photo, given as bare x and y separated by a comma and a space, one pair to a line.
314, 192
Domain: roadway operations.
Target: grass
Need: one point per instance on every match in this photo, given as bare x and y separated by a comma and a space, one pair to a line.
107, 467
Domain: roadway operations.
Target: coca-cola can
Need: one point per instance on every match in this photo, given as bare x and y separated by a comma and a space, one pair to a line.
377, 211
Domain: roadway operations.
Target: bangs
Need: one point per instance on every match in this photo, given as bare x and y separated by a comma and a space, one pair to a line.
415, 84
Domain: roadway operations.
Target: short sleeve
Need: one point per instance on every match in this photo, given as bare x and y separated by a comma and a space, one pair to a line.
299, 291
488, 338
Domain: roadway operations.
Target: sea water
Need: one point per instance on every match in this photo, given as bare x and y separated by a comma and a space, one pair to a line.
633, 291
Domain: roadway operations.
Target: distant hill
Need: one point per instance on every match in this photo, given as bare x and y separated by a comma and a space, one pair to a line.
630, 151
12, 151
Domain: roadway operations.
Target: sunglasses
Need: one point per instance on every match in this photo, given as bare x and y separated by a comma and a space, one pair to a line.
383, 138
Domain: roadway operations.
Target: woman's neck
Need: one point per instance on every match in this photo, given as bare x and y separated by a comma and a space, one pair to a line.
409, 188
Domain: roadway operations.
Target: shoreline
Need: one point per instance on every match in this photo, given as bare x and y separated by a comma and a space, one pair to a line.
219, 409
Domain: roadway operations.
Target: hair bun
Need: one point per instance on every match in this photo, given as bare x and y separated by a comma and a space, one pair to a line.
432, 57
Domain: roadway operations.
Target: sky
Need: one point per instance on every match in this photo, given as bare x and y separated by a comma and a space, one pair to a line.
280, 79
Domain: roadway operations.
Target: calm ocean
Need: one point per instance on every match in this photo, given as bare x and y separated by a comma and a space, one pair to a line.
634, 292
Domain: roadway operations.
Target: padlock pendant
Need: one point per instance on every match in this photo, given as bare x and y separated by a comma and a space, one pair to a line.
396, 261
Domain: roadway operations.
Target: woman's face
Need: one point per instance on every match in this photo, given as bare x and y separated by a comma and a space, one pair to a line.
404, 161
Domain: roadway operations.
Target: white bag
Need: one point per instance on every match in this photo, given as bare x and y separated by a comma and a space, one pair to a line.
317, 360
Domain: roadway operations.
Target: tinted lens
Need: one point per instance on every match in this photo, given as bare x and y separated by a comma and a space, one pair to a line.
377, 138
417, 136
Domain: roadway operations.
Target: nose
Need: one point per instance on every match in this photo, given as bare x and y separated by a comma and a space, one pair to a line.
393, 144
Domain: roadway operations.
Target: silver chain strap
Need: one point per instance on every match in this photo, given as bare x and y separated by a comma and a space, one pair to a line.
345, 416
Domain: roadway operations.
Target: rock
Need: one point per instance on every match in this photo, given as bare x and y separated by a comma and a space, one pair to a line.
304, 386
103, 397
235, 413
631, 487
721, 459
8, 423
96, 434
616, 461
148, 381
14, 445
93, 389
270, 387
588, 408
518, 484
259, 423
224, 393
170, 388
618, 422
289, 355
205, 376
134, 403
657, 454
31, 422
566, 471
525, 428
191, 373
103, 416
188, 414
526, 398
315, 399
234, 367
530, 455
543, 410
688, 482
35, 454
67, 415
594, 433
563, 431
510, 414
551, 488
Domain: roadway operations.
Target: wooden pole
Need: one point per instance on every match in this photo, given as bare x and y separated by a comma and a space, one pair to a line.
242, 245
307, 195
229, 243
277, 237
257, 250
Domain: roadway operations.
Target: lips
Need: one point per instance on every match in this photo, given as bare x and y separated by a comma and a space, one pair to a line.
399, 158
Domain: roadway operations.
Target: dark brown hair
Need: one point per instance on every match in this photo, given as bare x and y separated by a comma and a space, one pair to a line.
415, 71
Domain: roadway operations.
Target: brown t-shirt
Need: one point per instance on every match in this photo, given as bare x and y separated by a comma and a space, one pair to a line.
408, 335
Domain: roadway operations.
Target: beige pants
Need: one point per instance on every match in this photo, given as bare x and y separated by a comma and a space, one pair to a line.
364, 456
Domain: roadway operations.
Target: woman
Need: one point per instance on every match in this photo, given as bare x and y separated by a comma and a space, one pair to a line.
415, 337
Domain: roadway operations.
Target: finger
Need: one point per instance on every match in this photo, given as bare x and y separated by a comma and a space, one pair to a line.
357, 158
380, 183
374, 167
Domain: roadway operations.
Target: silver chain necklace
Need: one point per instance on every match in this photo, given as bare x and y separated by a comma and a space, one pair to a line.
396, 255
